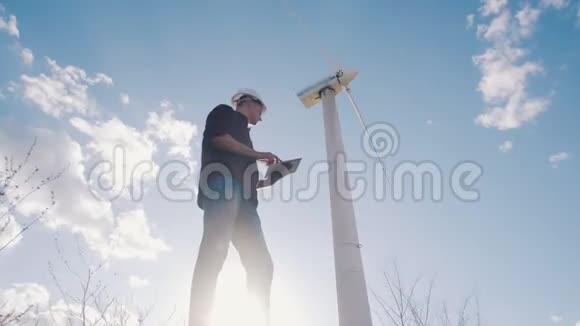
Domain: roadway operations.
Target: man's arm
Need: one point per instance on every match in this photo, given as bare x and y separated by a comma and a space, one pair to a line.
227, 143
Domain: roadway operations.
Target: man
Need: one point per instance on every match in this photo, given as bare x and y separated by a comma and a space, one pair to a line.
227, 194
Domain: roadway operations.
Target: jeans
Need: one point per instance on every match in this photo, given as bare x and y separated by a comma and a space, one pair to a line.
229, 219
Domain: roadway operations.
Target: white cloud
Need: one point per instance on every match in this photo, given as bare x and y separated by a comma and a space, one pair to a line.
578, 323
100, 78
21, 296
177, 133
125, 99
26, 56
429, 122
481, 28
78, 209
506, 146
165, 104
174, 138
133, 152
71, 314
470, 21
499, 28
503, 86
9, 25
65, 91
129, 150
491, 7
555, 159
133, 237
9, 230
527, 18
502, 76
505, 70
558, 4
62, 313
138, 282
555, 318
12, 87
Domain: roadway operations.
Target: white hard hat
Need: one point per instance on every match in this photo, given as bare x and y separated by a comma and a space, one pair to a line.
245, 92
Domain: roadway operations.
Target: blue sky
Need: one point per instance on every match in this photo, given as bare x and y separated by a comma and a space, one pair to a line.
422, 69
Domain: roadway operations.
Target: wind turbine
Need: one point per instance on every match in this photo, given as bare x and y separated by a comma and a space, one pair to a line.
352, 297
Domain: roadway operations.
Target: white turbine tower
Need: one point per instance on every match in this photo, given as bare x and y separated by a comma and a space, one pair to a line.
352, 297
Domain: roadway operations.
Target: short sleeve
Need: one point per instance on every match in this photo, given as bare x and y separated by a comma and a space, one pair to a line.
219, 121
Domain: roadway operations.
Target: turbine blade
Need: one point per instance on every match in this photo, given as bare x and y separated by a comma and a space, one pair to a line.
364, 126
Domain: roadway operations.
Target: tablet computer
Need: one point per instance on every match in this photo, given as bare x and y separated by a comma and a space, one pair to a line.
278, 171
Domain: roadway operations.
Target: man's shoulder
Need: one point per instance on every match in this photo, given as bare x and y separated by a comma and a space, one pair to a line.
221, 112
222, 108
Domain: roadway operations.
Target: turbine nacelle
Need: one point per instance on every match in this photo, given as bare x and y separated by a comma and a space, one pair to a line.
310, 96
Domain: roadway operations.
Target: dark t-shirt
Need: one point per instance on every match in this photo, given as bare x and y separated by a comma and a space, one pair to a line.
223, 119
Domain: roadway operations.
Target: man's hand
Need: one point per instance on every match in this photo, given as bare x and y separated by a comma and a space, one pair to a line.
268, 157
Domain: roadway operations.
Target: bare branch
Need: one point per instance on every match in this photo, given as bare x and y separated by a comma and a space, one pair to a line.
404, 309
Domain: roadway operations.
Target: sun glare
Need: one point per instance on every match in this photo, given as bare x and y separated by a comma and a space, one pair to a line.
234, 306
